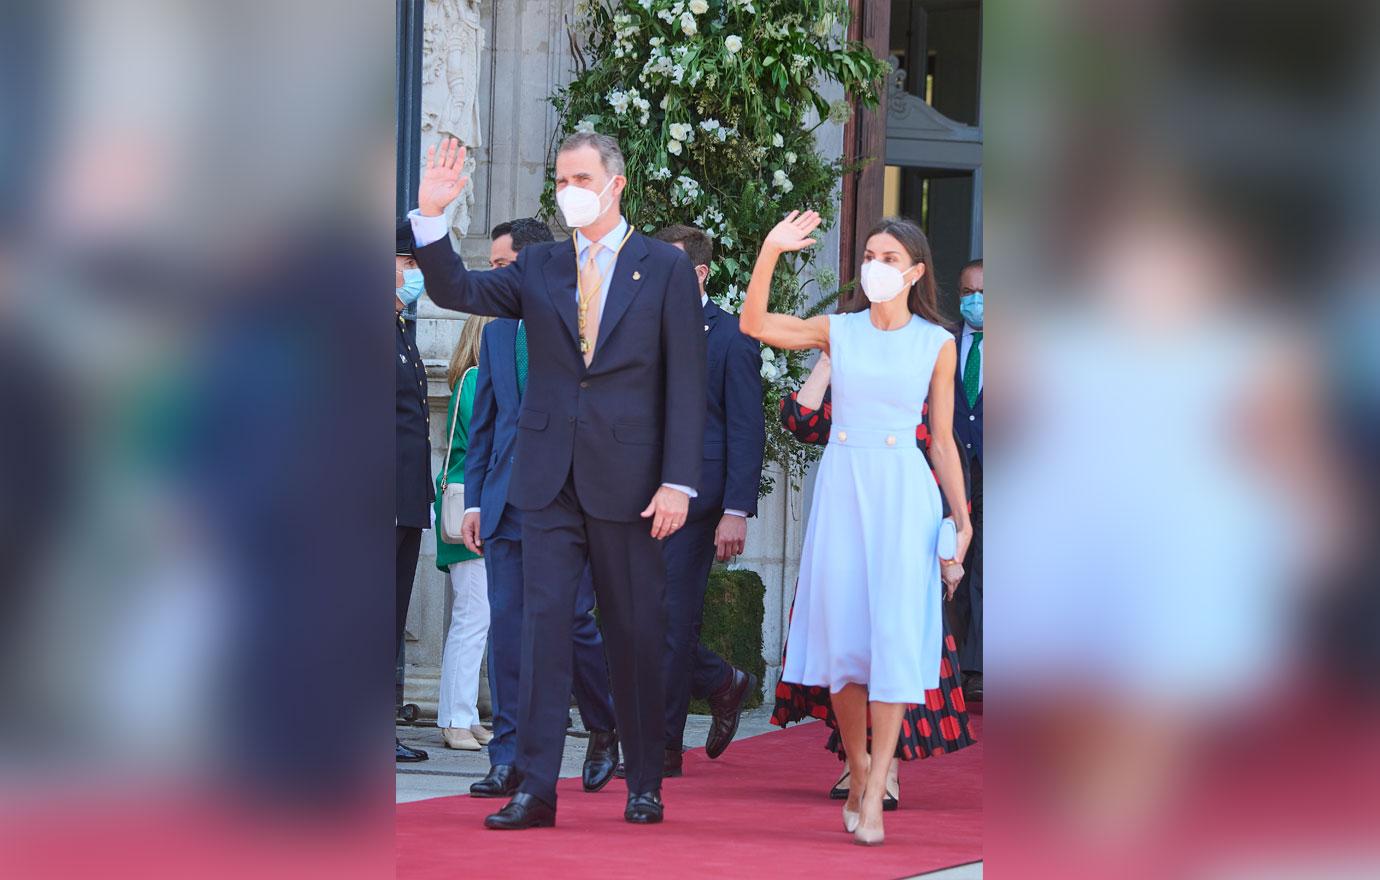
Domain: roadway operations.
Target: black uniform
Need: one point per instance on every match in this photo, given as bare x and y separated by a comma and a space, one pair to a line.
413, 492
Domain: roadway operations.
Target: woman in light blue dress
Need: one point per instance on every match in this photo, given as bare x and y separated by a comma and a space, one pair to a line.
868, 620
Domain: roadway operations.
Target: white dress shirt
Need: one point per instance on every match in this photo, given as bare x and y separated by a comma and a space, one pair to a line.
426, 230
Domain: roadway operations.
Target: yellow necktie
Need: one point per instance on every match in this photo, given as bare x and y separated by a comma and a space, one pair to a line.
591, 282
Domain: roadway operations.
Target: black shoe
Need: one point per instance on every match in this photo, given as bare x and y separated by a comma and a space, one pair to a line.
523, 811
671, 765
972, 686
502, 781
726, 705
408, 755
644, 808
601, 757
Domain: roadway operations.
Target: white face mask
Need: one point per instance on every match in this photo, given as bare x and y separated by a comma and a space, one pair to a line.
880, 282
580, 206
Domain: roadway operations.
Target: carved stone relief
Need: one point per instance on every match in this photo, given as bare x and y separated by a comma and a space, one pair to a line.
452, 47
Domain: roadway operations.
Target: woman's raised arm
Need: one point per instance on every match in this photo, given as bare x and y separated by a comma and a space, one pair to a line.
782, 331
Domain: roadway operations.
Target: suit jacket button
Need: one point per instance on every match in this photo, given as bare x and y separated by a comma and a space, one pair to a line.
972, 418
584, 384
890, 441
843, 436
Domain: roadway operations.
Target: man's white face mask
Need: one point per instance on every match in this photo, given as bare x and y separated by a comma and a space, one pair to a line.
581, 207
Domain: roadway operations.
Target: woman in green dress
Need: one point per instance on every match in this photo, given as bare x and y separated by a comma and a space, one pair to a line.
457, 707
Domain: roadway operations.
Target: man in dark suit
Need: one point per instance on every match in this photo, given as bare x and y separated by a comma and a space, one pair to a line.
735, 438
608, 451
412, 445
968, 425
493, 527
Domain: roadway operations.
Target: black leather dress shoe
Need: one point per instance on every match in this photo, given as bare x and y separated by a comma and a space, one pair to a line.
644, 808
501, 781
408, 755
523, 811
671, 766
601, 757
972, 687
726, 705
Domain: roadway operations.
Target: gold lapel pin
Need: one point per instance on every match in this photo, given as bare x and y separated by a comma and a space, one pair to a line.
637, 276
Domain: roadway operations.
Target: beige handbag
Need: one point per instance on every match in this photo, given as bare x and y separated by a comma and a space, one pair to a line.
452, 494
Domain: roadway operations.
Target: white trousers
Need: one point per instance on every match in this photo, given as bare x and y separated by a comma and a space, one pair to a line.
465, 641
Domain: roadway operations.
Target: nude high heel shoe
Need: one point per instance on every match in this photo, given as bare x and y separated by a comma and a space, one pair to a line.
869, 836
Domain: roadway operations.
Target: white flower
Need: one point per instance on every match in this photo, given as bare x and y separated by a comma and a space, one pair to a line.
727, 241
699, 7
778, 176
777, 140
585, 125
666, 15
769, 371
733, 43
665, 101
687, 25
710, 125
787, 186
681, 131
619, 101
790, 158
768, 355
645, 4
673, 147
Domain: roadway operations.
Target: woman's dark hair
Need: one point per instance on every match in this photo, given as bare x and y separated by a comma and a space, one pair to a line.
923, 298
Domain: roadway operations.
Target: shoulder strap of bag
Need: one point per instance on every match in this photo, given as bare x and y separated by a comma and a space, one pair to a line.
450, 439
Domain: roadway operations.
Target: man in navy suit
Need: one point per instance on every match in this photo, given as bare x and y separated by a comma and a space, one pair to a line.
735, 438
968, 424
608, 450
493, 527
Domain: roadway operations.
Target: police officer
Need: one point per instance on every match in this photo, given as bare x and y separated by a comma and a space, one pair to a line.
413, 492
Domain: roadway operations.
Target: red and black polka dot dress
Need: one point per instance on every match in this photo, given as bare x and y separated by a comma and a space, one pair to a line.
935, 727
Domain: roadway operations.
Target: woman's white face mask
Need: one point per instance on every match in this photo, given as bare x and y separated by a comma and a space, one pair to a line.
883, 283
581, 207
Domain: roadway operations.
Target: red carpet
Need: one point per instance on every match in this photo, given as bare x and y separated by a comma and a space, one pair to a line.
760, 810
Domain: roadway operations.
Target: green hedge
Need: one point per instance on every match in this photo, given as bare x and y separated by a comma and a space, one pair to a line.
733, 613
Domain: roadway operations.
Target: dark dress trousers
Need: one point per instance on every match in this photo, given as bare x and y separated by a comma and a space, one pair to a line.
488, 472
735, 439
412, 476
593, 446
967, 619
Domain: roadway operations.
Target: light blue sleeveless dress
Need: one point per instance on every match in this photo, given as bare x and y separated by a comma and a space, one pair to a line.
867, 605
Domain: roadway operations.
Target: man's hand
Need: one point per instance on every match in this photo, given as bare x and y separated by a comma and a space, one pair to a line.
729, 537
469, 532
443, 178
667, 511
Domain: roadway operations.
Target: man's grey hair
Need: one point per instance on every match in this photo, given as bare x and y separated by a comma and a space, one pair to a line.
609, 153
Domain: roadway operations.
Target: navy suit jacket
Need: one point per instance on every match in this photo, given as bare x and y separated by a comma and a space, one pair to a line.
413, 493
610, 424
493, 426
735, 431
967, 419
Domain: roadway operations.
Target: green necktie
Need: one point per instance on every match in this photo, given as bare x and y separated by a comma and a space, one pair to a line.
522, 358
972, 370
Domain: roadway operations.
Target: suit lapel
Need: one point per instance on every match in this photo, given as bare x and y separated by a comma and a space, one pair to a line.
505, 360
560, 275
624, 288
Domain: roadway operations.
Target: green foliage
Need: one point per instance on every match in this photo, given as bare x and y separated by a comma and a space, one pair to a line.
733, 612
715, 103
